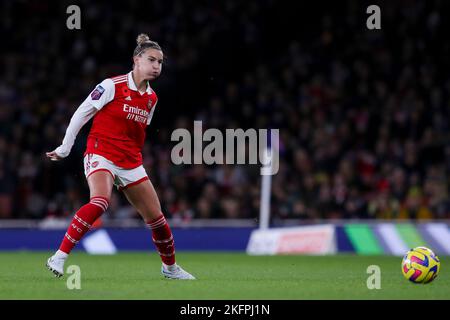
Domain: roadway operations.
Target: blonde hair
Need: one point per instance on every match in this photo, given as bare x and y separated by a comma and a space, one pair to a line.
143, 43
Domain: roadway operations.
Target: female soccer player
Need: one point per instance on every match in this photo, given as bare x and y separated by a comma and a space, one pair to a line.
122, 107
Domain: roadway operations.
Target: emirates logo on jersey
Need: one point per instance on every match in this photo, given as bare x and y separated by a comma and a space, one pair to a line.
135, 113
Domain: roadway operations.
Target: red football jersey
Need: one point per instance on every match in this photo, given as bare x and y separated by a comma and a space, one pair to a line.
118, 128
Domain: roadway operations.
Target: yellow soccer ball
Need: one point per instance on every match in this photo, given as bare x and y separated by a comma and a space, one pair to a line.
420, 265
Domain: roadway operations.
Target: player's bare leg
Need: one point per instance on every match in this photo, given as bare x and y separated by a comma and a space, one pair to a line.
144, 199
100, 186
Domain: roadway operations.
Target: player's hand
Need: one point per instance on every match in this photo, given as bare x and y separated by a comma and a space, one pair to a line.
59, 153
53, 156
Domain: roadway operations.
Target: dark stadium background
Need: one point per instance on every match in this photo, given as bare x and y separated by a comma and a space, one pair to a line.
363, 114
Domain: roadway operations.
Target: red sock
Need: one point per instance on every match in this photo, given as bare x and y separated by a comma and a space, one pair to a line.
163, 239
82, 222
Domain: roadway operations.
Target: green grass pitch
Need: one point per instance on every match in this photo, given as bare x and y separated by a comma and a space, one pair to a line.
223, 276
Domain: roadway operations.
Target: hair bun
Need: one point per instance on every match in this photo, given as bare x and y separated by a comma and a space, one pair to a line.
142, 38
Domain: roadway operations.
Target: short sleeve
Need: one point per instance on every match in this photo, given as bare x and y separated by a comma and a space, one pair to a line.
102, 94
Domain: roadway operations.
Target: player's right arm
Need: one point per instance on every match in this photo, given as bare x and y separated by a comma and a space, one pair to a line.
99, 97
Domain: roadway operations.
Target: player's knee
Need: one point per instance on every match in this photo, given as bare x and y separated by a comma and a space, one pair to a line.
100, 201
150, 213
149, 209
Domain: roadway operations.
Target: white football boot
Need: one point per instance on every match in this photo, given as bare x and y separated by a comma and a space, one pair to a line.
175, 272
56, 263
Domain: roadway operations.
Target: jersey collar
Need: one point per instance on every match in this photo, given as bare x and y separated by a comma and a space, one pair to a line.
132, 85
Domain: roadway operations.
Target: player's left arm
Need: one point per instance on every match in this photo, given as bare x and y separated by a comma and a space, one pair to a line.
102, 94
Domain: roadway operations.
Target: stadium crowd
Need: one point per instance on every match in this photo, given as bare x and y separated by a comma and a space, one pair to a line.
363, 114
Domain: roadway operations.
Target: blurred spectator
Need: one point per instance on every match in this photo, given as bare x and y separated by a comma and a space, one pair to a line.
363, 115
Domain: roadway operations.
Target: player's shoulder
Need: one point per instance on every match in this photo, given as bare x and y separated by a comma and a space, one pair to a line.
103, 92
107, 83
152, 91
119, 79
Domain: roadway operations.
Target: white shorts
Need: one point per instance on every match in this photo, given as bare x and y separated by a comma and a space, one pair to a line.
123, 178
